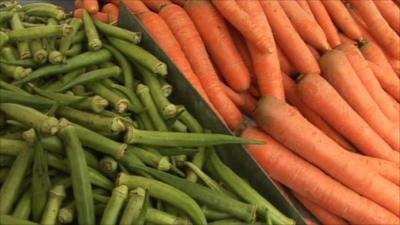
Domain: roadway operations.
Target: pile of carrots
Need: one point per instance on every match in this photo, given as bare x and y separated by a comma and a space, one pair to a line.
319, 78
109, 12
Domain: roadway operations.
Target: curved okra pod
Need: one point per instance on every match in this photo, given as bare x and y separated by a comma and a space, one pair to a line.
77, 62
79, 37
56, 197
134, 206
64, 79
94, 42
46, 11
166, 193
79, 173
123, 63
38, 4
39, 32
10, 87
67, 213
212, 214
177, 139
189, 120
23, 208
30, 117
66, 41
120, 104
144, 94
11, 220
39, 53
114, 206
140, 55
76, 49
160, 217
33, 101
23, 46
117, 32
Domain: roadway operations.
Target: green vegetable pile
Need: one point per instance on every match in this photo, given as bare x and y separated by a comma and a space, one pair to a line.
89, 136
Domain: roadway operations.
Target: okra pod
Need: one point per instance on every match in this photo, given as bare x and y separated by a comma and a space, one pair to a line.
120, 104
67, 213
189, 120
166, 193
38, 4
135, 104
94, 42
56, 197
151, 159
126, 67
160, 217
23, 46
140, 55
66, 41
114, 31
3, 39
11, 220
64, 79
34, 101
198, 160
38, 51
177, 139
39, 32
15, 72
99, 198
114, 206
75, 50
5, 16
108, 165
3, 174
144, 94
23, 62
166, 88
23, 208
10, 87
212, 214
79, 174
46, 11
134, 206
79, 37
12, 147
178, 126
6, 160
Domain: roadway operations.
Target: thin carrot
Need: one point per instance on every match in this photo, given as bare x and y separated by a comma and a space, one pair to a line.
337, 69
343, 19
389, 83
323, 99
294, 99
112, 10
395, 64
103, 17
314, 52
309, 181
156, 5
305, 25
361, 24
243, 22
373, 53
370, 82
324, 216
137, 7
306, 7
325, 21
266, 65
92, 6
188, 37
180, 2
390, 12
284, 63
288, 39
219, 43
285, 124
253, 90
378, 26
345, 39
244, 101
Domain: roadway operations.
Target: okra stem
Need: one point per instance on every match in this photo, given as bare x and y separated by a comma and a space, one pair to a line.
212, 214
66, 41
56, 197
94, 41
120, 104
165, 87
67, 213
135, 104
114, 206
23, 46
134, 206
38, 51
108, 165
151, 159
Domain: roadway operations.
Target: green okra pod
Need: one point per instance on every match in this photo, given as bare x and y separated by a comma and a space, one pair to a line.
46, 11
39, 53
160, 217
99, 198
33, 101
140, 55
144, 94
134, 103
178, 126
38, 4
6, 160
64, 79
212, 214
79, 37
39, 32
56, 197
5, 16
126, 67
3, 39
94, 42
166, 193
11, 220
115, 205
189, 120
12, 147
23, 208
149, 158
15, 72
67, 213
134, 206
23, 62
79, 173
166, 88
23, 46
66, 41
120, 104
114, 31
10, 87
75, 50
108, 165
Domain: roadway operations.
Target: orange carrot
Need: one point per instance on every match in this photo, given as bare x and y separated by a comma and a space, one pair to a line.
370, 82
390, 12
324, 20
78, 4
388, 83
111, 10
286, 125
294, 99
337, 69
345, 39
378, 27
304, 24
243, 22
180, 2
395, 64
192, 45
156, 5
266, 65
115, 2
244, 101
323, 99
219, 43
286, 66
288, 39
304, 5
374, 54
92, 6
361, 24
253, 90
137, 7
309, 181
324, 216
343, 19
103, 17
314, 52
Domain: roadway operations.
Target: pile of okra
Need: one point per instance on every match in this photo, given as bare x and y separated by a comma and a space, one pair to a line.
89, 136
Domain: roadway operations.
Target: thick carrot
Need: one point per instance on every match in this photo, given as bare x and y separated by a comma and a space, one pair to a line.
286, 125
244, 101
343, 19
325, 21
243, 22
309, 181
390, 12
389, 83
156, 5
324, 216
378, 26
361, 24
288, 39
137, 7
305, 25
219, 43
284, 63
92, 6
294, 99
266, 65
370, 82
337, 69
306, 7
323, 99
188, 37
111, 9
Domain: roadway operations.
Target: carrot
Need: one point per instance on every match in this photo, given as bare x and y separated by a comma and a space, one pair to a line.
370, 82
343, 19
111, 10
286, 125
395, 64
156, 5
389, 83
78, 4
337, 69
288, 39
309, 181
160, 31
137, 7
323, 99
378, 26
361, 24
324, 20
266, 65
294, 99
100, 16
284, 63
243, 22
180, 2
92, 6
324, 216
345, 39
219, 43
244, 101
253, 90
115, 2
374, 54
192, 45
314, 52
304, 24
304, 5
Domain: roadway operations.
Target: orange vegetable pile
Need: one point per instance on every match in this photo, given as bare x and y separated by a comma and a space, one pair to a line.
108, 13
319, 78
